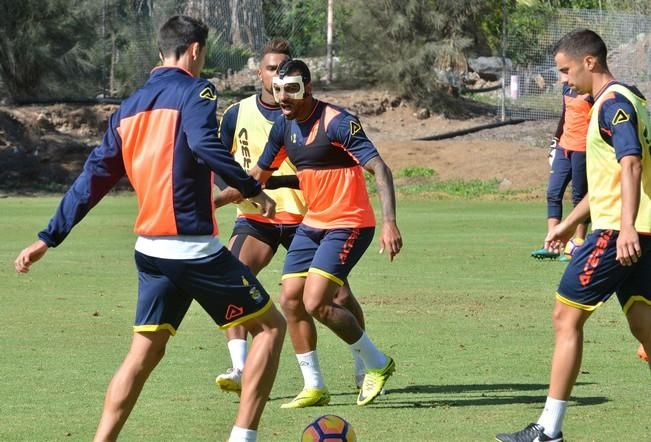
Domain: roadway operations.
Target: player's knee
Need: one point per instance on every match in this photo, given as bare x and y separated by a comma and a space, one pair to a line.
554, 201
565, 323
148, 349
289, 303
641, 330
576, 199
343, 297
316, 308
278, 324
147, 359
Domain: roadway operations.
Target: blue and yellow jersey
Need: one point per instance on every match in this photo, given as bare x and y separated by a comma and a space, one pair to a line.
328, 149
619, 126
573, 125
164, 138
245, 128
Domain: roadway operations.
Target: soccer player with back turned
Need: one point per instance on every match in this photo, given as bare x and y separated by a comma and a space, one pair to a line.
616, 256
164, 138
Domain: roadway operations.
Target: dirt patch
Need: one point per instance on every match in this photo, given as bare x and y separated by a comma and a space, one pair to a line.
513, 154
43, 147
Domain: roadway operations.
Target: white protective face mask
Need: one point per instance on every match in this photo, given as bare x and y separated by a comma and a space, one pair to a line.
293, 87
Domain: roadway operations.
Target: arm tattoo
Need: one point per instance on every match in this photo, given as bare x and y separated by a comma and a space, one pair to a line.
385, 189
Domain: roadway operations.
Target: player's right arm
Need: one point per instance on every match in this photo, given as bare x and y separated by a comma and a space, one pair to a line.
558, 236
102, 170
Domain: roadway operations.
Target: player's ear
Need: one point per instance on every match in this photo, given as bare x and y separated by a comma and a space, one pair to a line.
590, 62
308, 89
195, 50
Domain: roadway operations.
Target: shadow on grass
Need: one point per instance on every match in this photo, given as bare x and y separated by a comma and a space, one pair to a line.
479, 394
476, 394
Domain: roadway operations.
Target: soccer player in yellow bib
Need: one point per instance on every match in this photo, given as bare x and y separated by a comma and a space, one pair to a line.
245, 129
616, 256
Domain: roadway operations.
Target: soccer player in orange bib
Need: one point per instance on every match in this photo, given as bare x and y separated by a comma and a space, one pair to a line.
245, 128
616, 256
330, 151
568, 164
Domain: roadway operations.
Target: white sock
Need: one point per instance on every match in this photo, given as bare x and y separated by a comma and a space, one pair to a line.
237, 349
309, 363
360, 368
372, 357
552, 416
239, 434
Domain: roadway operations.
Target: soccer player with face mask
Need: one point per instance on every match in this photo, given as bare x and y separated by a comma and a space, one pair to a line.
330, 151
245, 129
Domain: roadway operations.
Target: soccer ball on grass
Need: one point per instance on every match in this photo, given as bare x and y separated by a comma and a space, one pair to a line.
329, 428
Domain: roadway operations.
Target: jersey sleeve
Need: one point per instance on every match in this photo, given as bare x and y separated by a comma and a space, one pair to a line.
274, 152
618, 126
102, 170
227, 126
347, 131
561, 121
199, 123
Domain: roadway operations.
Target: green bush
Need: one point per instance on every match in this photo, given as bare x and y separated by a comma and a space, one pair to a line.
416, 171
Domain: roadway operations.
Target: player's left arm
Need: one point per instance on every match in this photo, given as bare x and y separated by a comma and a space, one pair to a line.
628, 242
348, 133
390, 238
618, 123
199, 123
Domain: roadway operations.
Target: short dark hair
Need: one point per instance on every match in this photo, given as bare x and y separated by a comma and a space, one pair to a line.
582, 42
293, 66
277, 46
178, 33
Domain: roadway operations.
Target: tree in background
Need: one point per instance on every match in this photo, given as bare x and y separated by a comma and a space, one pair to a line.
414, 46
45, 44
302, 22
529, 18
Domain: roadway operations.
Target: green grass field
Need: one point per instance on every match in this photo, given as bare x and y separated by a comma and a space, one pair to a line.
464, 311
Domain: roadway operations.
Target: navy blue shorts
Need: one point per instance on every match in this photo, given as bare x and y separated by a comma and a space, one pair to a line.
331, 252
273, 235
223, 286
593, 274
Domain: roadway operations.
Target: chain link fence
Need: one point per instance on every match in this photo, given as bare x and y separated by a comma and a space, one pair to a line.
531, 88
238, 31
124, 48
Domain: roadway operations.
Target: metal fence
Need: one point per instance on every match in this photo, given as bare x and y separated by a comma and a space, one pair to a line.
531, 88
238, 31
125, 48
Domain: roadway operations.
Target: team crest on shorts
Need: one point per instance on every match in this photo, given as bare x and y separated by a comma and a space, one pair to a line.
233, 311
255, 294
